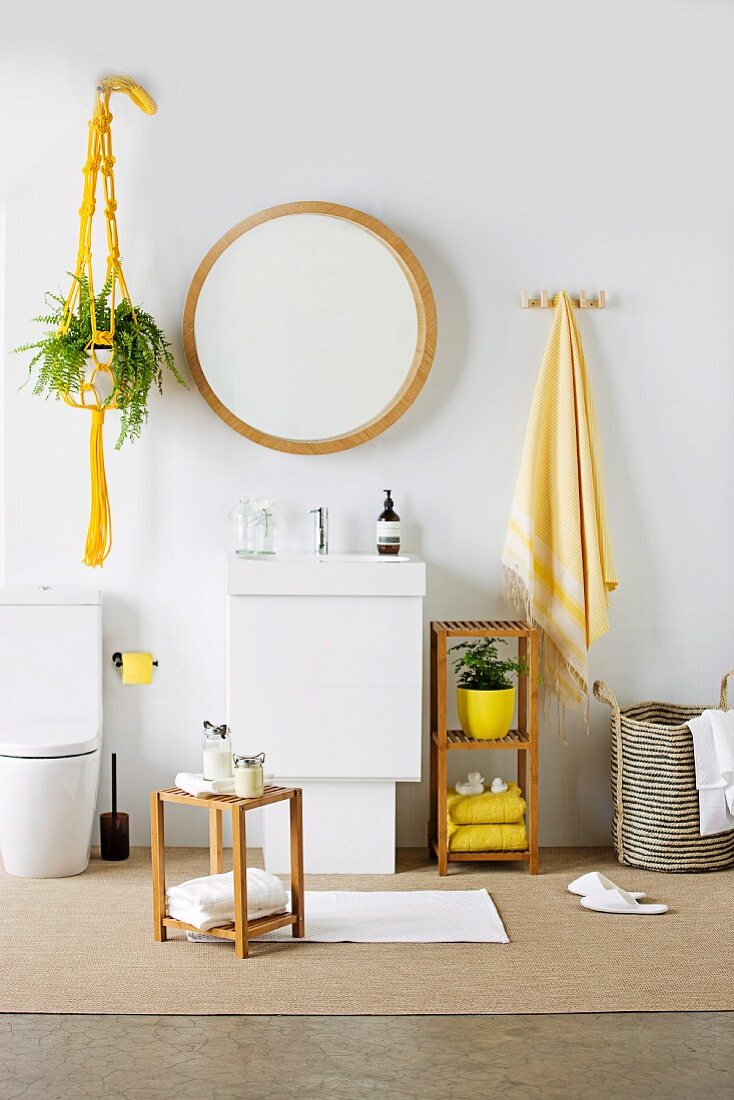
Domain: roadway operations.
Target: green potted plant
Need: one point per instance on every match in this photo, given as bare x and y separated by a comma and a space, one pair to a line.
485, 692
140, 352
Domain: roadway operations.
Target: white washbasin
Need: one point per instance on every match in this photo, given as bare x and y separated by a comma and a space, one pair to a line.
364, 557
316, 559
291, 574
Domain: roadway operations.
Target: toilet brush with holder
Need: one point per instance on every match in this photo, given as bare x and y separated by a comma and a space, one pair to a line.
114, 828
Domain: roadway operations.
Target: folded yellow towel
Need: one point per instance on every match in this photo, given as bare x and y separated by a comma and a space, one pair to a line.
486, 809
487, 838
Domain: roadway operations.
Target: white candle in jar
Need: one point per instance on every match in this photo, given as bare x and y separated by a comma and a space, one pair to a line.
248, 781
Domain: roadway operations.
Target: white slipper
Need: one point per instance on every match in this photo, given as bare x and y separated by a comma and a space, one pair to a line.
619, 901
594, 883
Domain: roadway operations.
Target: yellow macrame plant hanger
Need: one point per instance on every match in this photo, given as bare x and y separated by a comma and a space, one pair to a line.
100, 160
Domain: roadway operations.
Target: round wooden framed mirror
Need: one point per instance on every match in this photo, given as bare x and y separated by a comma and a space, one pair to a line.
310, 327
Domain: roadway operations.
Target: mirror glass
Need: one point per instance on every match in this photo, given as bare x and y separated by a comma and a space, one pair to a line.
308, 328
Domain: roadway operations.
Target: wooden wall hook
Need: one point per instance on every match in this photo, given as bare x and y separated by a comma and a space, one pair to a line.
547, 301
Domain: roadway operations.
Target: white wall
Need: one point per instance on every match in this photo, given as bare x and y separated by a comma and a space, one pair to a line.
512, 146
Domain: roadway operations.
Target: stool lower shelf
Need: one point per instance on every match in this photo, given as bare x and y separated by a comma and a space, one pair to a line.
479, 857
254, 927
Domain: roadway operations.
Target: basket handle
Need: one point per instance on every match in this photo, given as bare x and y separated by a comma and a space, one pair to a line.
605, 695
723, 701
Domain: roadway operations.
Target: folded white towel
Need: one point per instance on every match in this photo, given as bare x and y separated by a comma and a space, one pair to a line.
209, 901
204, 919
713, 751
195, 783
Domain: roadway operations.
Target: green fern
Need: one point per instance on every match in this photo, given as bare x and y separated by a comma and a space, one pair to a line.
480, 668
141, 352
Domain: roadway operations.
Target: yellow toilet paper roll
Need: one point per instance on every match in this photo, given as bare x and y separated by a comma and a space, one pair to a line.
137, 668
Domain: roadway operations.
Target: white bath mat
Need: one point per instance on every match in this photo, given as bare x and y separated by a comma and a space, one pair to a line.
391, 916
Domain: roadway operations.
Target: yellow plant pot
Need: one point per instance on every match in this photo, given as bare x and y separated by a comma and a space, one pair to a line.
486, 715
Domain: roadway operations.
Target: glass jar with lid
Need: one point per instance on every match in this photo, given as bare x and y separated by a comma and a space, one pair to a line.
263, 527
216, 752
240, 516
249, 778
254, 526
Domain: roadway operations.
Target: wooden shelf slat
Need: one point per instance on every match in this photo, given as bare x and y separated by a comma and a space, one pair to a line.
254, 927
220, 933
226, 801
498, 628
488, 856
457, 739
268, 924
473, 857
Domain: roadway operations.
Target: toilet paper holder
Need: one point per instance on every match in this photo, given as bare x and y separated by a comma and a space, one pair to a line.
117, 660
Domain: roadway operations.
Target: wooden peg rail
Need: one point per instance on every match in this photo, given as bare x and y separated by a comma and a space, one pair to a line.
548, 301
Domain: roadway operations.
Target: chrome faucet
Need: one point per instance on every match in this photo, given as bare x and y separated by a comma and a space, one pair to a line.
320, 530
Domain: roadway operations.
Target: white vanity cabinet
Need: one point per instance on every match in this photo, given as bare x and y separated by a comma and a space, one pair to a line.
324, 661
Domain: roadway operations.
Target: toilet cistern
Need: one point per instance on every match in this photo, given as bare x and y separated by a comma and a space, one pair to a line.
320, 531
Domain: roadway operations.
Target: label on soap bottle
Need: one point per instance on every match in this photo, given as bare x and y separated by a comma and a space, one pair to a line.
388, 532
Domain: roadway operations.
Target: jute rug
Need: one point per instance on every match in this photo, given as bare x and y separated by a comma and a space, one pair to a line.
85, 945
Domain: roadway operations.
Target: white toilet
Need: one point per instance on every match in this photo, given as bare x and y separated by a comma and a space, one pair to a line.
50, 728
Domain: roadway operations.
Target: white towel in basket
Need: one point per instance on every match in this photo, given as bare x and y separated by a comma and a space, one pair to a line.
713, 750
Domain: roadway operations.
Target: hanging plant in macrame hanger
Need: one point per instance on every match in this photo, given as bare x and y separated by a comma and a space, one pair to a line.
103, 353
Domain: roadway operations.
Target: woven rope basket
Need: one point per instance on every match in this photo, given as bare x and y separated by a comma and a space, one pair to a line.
656, 822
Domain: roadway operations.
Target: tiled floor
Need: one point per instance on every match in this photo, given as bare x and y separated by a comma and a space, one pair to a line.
658, 1056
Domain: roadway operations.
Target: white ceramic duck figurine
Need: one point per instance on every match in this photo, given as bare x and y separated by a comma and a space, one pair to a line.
473, 784
498, 786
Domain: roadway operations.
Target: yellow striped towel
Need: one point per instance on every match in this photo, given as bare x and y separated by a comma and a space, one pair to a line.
557, 557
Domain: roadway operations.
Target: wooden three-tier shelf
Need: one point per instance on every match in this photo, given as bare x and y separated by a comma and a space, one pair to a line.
523, 740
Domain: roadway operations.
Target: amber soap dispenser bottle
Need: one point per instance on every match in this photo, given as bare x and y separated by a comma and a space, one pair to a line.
388, 528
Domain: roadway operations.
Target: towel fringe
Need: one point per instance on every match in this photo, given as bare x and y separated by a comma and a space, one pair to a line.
555, 708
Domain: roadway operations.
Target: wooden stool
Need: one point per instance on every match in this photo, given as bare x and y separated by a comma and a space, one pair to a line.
217, 805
